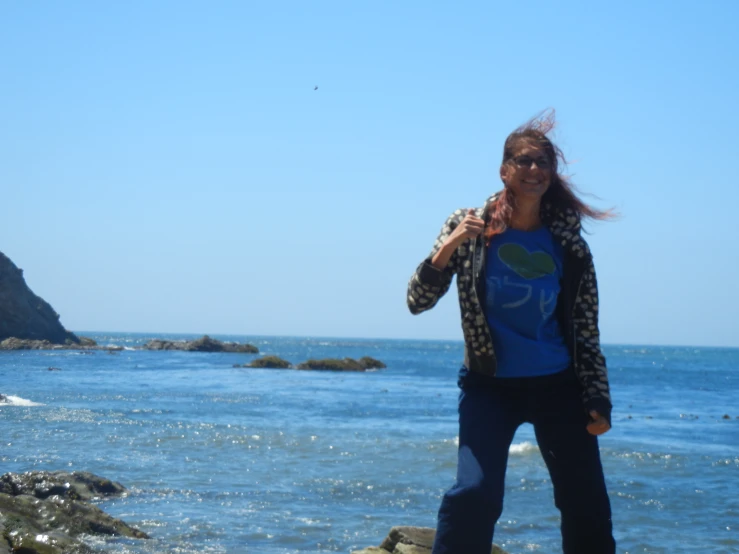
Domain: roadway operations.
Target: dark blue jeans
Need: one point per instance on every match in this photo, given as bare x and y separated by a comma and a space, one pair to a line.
490, 411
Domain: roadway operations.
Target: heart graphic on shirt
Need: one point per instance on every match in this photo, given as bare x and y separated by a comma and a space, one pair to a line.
529, 265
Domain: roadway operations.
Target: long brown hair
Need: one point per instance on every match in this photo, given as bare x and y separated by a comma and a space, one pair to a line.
561, 195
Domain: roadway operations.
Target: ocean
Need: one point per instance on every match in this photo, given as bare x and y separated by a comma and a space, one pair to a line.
219, 459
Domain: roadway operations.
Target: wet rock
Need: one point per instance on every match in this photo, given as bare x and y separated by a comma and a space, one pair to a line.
422, 537
271, 362
410, 540
77, 485
45, 512
203, 344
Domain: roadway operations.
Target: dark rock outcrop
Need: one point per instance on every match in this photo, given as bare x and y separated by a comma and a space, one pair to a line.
271, 362
347, 364
332, 364
23, 314
203, 344
410, 540
84, 343
45, 512
77, 485
371, 363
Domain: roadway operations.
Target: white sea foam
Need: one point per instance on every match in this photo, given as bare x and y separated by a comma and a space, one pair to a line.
523, 448
10, 400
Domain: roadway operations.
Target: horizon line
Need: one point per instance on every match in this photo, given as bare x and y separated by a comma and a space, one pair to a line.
460, 340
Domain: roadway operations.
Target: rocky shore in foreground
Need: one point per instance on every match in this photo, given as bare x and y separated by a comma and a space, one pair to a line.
46, 512
410, 540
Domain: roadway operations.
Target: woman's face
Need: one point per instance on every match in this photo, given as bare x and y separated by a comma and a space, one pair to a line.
528, 173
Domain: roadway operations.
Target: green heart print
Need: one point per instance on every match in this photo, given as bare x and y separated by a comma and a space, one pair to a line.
526, 264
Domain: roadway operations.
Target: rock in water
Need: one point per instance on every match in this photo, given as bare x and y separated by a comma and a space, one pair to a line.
270, 362
367, 362
23, 314
44, 512
77, 485
410, 540
203, 344
347, 364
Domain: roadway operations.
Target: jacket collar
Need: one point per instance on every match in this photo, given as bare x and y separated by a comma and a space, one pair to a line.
565, 225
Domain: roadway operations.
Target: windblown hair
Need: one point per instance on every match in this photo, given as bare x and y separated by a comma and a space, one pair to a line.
561, 195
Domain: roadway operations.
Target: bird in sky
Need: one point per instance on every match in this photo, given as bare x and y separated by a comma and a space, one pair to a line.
315, 87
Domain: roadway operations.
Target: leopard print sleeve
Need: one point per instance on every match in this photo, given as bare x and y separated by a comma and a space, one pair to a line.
428, 284
590, 361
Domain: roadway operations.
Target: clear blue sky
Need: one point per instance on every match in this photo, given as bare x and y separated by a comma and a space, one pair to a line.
168, 166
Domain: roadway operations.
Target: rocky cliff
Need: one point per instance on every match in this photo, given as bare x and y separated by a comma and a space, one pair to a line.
23, 314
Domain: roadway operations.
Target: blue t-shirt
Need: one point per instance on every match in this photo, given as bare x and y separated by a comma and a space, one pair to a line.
523, 273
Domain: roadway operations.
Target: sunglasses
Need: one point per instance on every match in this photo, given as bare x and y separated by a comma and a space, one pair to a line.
526, 161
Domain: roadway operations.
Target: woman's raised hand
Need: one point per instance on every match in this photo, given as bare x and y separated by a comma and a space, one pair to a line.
469, 228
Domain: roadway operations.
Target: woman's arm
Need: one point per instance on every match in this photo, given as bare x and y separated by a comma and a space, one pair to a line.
590, 362
433, 277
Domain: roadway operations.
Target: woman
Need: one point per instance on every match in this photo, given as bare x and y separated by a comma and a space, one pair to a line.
529, 305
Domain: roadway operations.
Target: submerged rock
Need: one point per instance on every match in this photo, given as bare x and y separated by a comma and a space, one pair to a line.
410, 540
203, 344
23, 314
44, 512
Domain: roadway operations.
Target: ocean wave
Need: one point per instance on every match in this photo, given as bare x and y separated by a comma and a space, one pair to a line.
517, 449
10, 400
523, 449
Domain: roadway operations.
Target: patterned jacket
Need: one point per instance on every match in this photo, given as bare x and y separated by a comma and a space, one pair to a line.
577, 304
